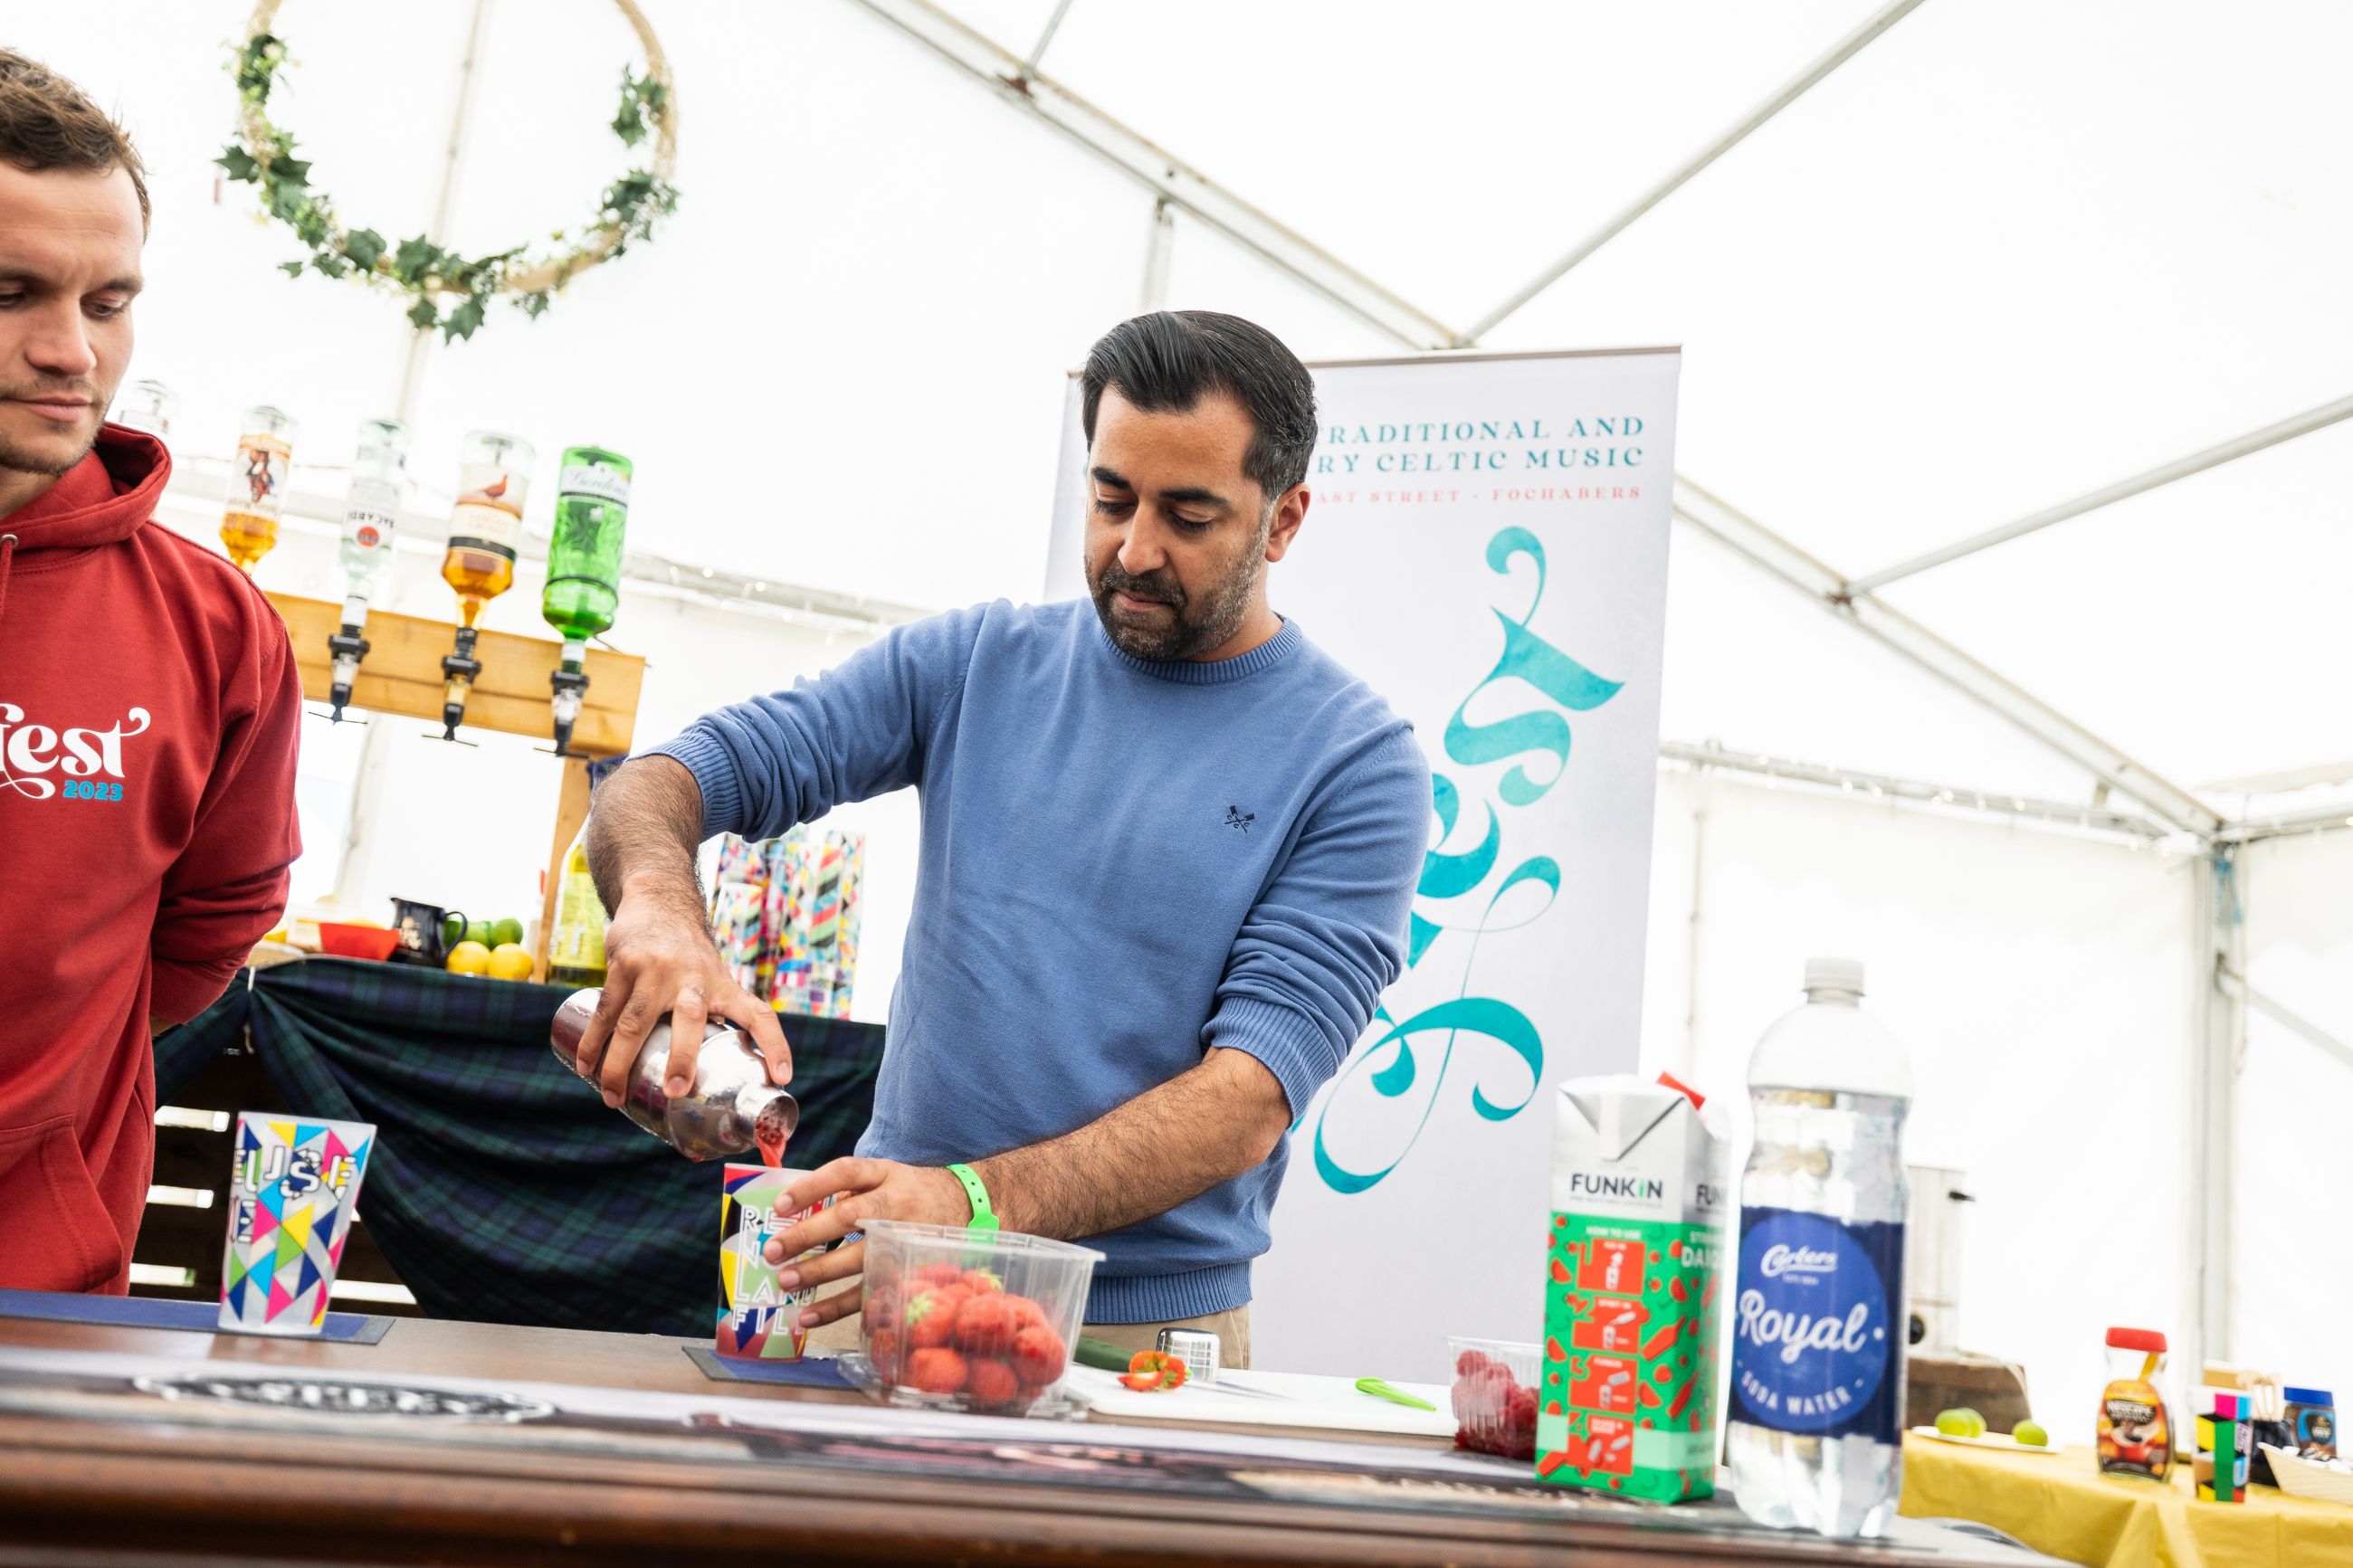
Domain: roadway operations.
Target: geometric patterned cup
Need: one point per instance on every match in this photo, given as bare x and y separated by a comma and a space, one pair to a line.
296, 1182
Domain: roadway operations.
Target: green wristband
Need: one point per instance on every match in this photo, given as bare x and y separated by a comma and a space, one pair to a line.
983, 1216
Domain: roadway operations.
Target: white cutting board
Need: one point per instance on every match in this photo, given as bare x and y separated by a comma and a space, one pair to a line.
1331, 1403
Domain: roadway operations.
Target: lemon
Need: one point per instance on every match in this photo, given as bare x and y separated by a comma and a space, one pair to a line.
506, 932
468, 958
2030, 1434
510, 960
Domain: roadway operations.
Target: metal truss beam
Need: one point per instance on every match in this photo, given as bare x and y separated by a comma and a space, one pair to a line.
1787, 93
2235, 985
2068, 815
2169, 802
1164, 173
2320, 819
2287, 430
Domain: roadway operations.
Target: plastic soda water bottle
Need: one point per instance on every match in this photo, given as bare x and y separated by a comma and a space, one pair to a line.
1819, 1316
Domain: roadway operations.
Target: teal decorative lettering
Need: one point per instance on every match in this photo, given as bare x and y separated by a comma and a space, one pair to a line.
1388, 1063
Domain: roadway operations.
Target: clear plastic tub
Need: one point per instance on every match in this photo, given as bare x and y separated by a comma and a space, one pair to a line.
973, 1320
1495, 1396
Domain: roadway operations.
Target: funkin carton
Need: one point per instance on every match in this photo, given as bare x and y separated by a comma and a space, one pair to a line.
1639, 1200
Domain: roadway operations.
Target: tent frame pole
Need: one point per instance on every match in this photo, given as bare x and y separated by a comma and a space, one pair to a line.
2214, 457
1787, 93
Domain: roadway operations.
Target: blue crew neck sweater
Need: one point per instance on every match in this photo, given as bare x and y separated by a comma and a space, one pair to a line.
1123, 864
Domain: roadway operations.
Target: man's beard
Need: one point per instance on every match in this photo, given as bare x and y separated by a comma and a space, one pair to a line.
19, 460
1195, 627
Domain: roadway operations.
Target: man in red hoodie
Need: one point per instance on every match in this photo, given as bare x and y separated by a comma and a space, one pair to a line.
148, 710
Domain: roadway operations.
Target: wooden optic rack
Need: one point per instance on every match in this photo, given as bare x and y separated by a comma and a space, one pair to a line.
402, 676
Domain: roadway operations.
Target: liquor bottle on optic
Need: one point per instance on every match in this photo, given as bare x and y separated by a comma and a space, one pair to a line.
583, 569
485, 527
257, 485
371, 510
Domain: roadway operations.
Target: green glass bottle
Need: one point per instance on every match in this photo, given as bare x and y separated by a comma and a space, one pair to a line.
583, 568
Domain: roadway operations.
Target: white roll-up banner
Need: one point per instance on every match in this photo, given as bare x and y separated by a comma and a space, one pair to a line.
1486, 545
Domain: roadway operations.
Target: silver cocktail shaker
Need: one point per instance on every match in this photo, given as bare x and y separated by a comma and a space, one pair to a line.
733, 1109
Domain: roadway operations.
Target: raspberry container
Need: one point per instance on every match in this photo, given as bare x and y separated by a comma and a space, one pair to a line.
1495, 1396
972, 1320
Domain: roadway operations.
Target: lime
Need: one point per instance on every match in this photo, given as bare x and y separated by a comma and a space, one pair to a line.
2030, 1434
1961, 1423
453, 932
468, 958
509, 961
506, 932
480, 930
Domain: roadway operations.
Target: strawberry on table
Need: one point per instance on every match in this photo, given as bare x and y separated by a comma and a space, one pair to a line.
931, 1318
937, 1371
1038, 1355
992, 1382
983, 1326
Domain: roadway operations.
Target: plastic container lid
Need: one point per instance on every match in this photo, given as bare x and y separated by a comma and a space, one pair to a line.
1834, 974
2309, 1396
2136, 1339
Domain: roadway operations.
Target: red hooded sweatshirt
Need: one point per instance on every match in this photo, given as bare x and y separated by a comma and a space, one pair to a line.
149, 704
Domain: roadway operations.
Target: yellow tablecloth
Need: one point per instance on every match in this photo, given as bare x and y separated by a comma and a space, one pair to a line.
2062, 1505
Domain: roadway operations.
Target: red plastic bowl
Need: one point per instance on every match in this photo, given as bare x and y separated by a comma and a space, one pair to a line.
357, 942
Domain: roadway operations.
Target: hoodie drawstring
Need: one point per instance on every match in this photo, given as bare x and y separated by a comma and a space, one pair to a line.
8, 564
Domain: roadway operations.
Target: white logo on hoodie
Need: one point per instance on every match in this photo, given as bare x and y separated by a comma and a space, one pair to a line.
27, 751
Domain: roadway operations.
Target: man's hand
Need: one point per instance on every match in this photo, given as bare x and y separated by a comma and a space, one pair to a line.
659, 958
870, 1190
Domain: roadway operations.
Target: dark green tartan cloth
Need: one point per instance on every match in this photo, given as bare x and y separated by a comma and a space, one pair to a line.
500, 1187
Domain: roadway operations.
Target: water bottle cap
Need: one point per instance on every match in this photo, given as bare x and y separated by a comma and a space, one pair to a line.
2150, 1340
1834, 974
2309, 1396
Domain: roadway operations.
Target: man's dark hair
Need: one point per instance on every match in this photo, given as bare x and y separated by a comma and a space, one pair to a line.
47, 122
1169, 360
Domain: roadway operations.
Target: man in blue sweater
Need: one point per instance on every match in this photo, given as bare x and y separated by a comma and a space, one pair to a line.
1168, 851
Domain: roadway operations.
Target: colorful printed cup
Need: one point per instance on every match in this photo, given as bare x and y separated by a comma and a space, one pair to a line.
291, 1195
757, 1322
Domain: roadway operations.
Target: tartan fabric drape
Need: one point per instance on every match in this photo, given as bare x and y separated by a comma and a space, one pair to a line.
502, 1188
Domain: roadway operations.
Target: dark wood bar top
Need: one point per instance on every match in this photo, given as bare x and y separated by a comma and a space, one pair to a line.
94, 1470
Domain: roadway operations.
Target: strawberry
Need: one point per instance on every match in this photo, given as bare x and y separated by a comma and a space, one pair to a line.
881, 1306
882, 1350
981, 1282
1038, 1355
932, 1274
1026, 1314
931, 1318
992, 1382
983, 1326
1470, 1362
935, 1371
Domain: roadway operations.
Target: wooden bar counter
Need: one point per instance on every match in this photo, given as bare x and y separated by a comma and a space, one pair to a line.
123, 1446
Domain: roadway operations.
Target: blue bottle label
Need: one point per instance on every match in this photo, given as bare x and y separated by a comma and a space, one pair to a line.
1817, 1344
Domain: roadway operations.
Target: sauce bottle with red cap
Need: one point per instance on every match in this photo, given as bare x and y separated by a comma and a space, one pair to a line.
2136, 1433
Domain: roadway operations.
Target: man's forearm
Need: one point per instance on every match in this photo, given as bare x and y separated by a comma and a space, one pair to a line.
1145, 1157
644, 831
